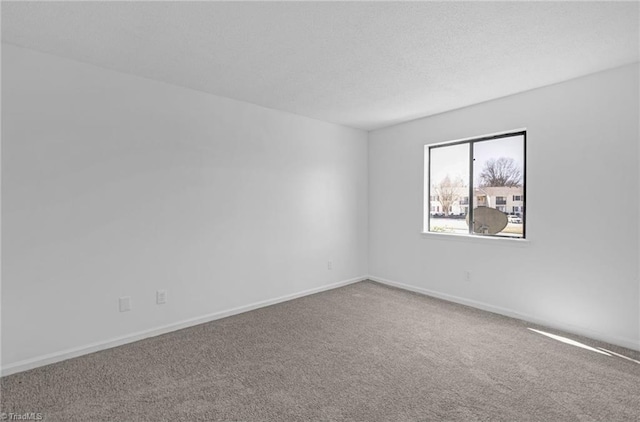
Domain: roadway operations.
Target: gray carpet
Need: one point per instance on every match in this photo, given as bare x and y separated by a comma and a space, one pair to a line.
364, 352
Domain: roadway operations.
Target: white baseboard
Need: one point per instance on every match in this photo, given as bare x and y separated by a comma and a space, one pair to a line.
619, 341
43, 360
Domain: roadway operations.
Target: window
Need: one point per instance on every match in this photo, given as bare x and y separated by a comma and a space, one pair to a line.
473, 180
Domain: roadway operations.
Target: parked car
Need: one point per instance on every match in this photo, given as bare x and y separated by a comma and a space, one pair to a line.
515, 219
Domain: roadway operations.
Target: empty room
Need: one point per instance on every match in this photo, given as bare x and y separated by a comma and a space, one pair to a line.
320, 211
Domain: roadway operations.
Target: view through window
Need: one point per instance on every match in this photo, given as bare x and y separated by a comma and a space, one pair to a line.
477, 186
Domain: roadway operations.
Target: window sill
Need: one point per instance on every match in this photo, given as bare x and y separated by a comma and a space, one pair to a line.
493, 240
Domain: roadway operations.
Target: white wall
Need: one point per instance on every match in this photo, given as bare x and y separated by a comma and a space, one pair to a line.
579, 272
115, 185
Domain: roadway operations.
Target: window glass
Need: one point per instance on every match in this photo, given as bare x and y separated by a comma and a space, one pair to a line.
449, 184
498, 175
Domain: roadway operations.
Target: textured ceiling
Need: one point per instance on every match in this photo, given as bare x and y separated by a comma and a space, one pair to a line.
361, 64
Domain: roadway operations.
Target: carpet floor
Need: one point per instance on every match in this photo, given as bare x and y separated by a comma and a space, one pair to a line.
364, 352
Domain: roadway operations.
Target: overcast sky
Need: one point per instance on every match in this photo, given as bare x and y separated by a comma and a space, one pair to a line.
454, 160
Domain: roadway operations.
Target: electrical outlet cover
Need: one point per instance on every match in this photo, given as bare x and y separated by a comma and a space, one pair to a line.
125, 303
161, 297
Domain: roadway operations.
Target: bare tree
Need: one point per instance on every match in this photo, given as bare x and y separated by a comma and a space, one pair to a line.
501, 172
447, 191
